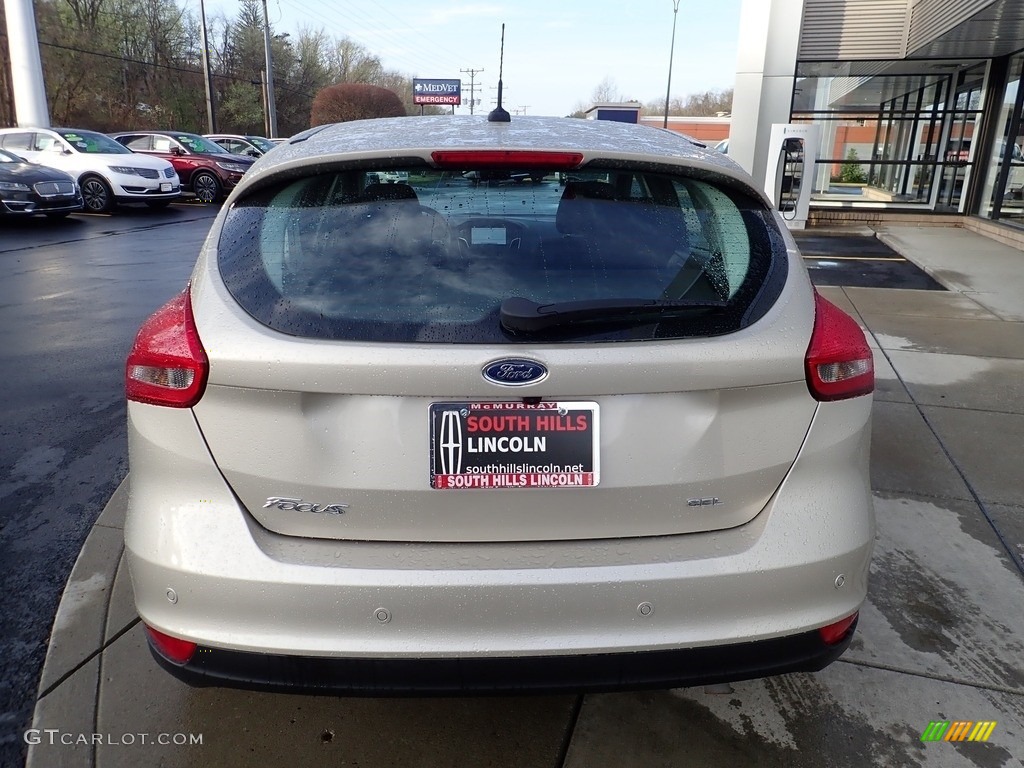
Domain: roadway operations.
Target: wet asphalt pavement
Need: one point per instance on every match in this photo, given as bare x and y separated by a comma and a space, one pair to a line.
72, 295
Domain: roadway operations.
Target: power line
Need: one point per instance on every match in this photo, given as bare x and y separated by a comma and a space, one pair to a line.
494, 96
403, 42
155, 65
343, 18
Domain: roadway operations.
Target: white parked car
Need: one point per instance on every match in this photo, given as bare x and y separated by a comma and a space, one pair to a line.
440, 435
107, 172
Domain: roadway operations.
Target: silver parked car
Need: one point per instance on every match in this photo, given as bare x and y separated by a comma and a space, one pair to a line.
242, 144
499, 433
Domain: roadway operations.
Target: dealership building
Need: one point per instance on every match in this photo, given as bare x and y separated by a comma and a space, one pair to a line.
917, 104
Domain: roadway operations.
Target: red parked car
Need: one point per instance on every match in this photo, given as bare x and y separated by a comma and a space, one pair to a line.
205, 168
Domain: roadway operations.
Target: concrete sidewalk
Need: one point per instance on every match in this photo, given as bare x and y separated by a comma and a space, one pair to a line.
941, 638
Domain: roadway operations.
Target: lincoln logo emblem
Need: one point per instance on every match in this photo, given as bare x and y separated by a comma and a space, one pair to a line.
450, 440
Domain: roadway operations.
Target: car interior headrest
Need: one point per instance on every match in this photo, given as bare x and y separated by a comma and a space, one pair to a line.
397, 191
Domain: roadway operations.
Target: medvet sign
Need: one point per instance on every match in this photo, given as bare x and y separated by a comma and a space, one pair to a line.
436, 91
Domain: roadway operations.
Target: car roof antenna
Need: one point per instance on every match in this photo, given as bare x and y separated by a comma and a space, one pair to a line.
499, 114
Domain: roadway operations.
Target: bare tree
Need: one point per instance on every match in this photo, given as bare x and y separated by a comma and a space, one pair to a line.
298, 77
709, 103
86, 12
243, 61
350, 62
116, 64
706, 104
606, 92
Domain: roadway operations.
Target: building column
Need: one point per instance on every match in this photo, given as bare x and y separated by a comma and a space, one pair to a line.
765, 76
30, 108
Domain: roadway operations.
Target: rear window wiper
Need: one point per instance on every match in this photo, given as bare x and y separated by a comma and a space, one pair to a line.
519, 315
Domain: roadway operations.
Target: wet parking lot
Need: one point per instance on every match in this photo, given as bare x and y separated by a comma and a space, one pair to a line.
939, 641
72, 294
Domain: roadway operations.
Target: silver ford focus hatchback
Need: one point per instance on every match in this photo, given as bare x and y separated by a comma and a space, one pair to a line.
449, 404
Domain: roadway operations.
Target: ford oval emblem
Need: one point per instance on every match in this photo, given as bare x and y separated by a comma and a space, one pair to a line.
515, 372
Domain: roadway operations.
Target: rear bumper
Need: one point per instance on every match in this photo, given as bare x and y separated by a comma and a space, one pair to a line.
671, 610
677, 668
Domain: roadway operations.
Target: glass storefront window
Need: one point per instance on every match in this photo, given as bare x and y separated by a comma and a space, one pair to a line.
958, 155
892, 133
1003, 193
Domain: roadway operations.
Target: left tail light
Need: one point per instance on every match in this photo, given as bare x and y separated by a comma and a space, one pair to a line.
839, 363
167, 364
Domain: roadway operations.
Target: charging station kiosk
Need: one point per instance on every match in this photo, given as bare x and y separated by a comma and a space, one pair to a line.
789, 177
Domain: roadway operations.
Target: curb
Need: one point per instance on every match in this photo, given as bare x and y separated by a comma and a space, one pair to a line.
86, 622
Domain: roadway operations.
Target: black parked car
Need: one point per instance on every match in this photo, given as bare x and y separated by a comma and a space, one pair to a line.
27, 189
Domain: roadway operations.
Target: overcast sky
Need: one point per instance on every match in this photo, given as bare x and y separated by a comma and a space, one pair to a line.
556, 51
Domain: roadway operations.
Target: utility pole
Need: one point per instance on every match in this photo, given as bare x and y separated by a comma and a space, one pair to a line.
472, 86
523, 108
30, 106
271, 107
263, 94
211, 118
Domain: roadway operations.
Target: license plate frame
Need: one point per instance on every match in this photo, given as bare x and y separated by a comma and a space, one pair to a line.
505, 445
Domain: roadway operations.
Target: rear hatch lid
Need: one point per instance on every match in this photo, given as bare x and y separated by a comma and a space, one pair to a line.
502, 351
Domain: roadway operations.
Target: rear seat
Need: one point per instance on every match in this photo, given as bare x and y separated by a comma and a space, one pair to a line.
598, 230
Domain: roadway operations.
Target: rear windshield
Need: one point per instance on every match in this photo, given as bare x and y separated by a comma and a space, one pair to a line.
485, 256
